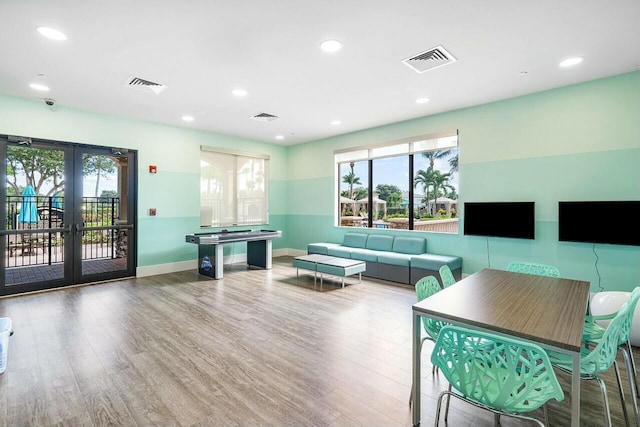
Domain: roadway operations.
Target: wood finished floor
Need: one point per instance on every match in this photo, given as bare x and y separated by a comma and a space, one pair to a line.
257, 348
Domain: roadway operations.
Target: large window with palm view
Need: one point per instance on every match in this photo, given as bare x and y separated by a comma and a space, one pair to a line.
414, 184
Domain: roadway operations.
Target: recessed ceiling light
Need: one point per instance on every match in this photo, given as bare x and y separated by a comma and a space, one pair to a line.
523, 73
187, 118
331, 45
336, 122
52, 33
571, 61
239, 92
422, 100
279, 137
38, 86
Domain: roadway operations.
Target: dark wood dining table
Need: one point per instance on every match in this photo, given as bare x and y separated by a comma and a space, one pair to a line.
544, 310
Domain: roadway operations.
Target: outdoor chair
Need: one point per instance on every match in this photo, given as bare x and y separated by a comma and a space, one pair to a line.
503, 375
426, 287
446, 275
533, 268
593, 333
600, 359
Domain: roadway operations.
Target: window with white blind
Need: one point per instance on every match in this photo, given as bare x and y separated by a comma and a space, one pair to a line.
233, 188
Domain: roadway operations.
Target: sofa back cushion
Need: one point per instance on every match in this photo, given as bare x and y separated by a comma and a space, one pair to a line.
380, 242
410, 245
355, 240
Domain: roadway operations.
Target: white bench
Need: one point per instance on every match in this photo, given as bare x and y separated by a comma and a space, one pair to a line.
334, 266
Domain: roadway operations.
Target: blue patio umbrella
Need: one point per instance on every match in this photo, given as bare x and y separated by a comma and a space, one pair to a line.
56, 202
29, 209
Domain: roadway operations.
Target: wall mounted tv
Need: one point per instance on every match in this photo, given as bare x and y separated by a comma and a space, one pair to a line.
500, 219
613, 222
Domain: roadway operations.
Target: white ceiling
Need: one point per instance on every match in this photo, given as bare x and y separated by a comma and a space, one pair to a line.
203, 49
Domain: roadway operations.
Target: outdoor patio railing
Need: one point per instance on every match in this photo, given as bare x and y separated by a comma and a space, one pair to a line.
36, 240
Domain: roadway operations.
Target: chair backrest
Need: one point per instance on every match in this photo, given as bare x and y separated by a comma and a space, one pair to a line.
500, 372
533, 268
626, 325
426, 287
603, 355
446, 275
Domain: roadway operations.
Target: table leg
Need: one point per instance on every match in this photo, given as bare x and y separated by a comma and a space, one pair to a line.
416, 369
219, 261
575, 391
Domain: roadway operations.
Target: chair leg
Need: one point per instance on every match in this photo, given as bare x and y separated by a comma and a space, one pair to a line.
633, 365
446, 411
439, 405
605, 401
623, 401
632, 385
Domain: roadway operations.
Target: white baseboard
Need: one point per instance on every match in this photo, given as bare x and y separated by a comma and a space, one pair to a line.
174, 267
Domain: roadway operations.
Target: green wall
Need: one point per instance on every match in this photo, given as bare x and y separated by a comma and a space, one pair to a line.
580, 142
575, 142
174, 191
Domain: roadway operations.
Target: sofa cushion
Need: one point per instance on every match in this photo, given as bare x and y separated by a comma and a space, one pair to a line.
355, 240
364, 254
393, 258
339, 251
410, 245
380, 242
434, 262
320, 248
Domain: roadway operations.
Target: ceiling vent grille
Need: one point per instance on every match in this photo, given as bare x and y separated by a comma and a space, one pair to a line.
430, 59
264, 117
146, 85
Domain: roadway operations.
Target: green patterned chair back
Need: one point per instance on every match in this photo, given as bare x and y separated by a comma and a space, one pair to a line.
502, 373
426, 287
626, 326
603, 355
446, 275
533, 268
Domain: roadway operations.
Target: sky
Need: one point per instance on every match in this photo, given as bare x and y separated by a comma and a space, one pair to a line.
389, 174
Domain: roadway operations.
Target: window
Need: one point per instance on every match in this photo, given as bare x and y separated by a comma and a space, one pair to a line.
233, 188
414, 182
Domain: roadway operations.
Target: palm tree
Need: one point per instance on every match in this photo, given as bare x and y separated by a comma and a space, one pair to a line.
433, 155
453, 162
351, 179
440, 182
423, 177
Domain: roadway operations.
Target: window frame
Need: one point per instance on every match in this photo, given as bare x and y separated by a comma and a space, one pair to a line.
447, 140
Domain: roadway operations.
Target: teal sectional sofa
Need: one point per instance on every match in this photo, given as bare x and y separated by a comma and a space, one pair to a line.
401, 259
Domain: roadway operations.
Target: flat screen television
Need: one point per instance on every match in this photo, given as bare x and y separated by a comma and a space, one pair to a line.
613, 222
500, 219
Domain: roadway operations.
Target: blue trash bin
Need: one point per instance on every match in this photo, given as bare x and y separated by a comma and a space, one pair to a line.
5, 332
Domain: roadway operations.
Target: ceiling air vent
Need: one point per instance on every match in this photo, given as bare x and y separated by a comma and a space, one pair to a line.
264, 117
138, 83
430, 59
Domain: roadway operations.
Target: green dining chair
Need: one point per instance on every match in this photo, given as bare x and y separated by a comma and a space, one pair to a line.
503, 375
426, 287
533, 268
446, 275
593, 333
596, 361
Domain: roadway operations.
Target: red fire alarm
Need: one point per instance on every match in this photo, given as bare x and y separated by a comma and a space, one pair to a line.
153, 169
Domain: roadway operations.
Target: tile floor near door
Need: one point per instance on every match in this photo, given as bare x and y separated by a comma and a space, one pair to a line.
257, 348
